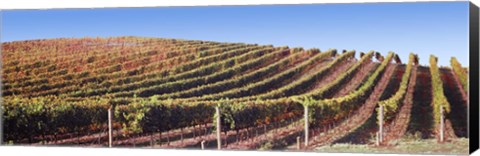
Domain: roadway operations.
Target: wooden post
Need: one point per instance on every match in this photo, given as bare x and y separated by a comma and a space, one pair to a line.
248, 133
306, 125
78, 138
181, 135
200, 131
226, 138
380, 129
160, 137
236, 136
265, 131
442, 124
135, 143
377, 141
219, 140
298, 143
110, 135
203, 144
151, 140
313, 132
206, 129
168, 138
194, 129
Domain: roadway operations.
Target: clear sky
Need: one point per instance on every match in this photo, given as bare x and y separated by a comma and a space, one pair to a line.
439, 28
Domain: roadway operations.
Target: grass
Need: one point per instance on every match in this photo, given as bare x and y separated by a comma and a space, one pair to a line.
406, 146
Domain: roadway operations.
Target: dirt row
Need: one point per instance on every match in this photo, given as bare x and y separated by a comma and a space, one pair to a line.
360, 76
359, 117
399, 125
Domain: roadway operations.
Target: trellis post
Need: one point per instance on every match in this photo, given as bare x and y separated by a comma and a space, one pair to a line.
380, 124
110, 132
219, 140
442, 124
298, 143
306, 124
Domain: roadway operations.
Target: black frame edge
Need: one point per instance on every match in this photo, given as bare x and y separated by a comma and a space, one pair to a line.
474, 78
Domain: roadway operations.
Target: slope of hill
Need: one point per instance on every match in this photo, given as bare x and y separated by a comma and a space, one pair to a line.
163, 93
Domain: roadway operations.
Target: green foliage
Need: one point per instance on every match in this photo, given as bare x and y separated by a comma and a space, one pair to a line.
265, 84
158, 116
391, 104
28, 117
117, 77
226, 117
439, 99
460, 72
241, 115
220, 86
167, 79
306, 101
329, 110
331, 87
256, 58
179, 83
308, 80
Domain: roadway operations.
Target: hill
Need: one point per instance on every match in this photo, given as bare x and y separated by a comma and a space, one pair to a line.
163, 93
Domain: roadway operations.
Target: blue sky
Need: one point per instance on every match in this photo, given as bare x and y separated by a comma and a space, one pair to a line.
439, 28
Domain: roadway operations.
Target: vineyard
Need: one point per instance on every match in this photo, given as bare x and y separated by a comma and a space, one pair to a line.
171, 93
